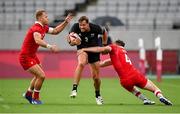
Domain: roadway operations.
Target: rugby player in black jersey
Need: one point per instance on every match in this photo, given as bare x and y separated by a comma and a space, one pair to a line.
89, 34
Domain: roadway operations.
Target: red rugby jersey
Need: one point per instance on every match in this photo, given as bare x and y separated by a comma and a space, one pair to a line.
29, 46
121, 61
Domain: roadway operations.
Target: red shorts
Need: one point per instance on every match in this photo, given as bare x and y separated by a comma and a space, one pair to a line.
138, 80
27, 61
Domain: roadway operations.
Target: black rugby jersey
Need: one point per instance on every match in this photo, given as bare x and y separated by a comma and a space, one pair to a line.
88, 39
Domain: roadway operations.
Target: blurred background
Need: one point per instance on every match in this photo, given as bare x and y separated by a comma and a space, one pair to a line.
128, 20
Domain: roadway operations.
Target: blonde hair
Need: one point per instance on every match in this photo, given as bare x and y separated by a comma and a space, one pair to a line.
39, 13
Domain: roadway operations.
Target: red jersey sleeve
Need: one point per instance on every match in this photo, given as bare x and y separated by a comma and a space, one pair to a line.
36, 29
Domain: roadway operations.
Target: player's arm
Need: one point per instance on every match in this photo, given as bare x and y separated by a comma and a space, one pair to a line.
105, 49
104, 37
42, 43
105, 63
61, 26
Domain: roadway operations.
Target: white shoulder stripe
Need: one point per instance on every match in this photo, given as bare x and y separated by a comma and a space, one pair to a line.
50, 30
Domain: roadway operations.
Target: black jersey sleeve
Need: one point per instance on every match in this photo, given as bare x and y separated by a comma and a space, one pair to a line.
99, 29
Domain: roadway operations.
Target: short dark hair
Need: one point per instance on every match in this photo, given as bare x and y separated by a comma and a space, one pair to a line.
83, 18
39, 13
120, 42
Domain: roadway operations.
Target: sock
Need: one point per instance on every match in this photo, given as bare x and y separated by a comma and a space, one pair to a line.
97, 92
36, 94
158, 93
75, 87
29, 93
139, 95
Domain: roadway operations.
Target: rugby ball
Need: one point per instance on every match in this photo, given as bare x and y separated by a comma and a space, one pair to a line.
74, 39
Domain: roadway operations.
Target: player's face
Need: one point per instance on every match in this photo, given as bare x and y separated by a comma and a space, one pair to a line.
84, 26
45, 19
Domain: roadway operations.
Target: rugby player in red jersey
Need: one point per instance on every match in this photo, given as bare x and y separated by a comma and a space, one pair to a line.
27, 57
130, 77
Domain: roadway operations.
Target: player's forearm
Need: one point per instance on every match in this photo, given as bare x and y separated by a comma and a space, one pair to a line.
41, 43
60, 27
105, 63
94, 49
104, 38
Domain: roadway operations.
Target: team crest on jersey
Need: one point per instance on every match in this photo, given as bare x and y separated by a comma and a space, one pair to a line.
92, 34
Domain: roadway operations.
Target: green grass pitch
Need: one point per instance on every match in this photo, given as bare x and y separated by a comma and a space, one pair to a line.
55, 96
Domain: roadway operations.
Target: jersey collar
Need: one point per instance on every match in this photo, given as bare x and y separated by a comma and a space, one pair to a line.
39, 23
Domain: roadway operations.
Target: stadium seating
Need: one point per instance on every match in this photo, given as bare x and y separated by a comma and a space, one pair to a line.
137, 14
146, 14
14, 13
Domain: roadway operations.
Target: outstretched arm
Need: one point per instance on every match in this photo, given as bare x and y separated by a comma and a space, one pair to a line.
105, 49
105, 63
61, 26
104, 37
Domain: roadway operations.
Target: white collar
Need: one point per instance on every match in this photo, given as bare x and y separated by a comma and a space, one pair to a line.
39, 23
121, 47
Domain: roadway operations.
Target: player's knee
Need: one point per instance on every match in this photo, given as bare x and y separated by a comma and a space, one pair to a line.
42, 76
81, 64
95, 77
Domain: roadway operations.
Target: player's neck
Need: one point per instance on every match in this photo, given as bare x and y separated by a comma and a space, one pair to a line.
88, 30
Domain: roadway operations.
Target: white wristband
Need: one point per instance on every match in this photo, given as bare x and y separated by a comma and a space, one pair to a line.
48, 46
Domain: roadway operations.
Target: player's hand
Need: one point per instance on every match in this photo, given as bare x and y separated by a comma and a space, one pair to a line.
54, 48
69, 17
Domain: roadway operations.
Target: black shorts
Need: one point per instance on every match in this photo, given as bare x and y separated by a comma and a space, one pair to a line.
93, 57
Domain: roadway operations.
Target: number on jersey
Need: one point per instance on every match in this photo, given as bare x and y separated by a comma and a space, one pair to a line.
128, 60
86, 39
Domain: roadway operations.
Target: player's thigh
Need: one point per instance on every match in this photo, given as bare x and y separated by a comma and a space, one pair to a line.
82, 58
37, 71
94, 68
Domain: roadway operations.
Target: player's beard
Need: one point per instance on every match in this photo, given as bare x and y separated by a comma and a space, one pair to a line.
83, 30
46, 22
